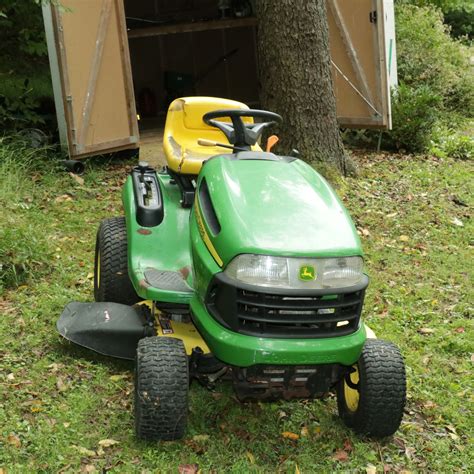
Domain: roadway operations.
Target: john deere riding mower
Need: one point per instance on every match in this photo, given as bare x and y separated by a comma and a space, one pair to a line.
237, 263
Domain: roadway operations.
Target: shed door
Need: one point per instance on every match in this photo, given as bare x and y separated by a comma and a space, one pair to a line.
90, 64
361, 49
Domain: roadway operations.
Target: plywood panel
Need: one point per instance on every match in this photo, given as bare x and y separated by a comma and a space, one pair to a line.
358, 58
96, 76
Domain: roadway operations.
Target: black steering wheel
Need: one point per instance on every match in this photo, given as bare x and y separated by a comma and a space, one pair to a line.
241, 134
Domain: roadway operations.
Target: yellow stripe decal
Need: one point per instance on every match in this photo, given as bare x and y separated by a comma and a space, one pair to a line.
205, 236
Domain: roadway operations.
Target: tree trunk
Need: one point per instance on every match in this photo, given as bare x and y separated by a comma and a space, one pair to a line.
295, 75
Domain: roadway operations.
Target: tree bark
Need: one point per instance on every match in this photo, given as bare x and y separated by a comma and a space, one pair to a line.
295, 76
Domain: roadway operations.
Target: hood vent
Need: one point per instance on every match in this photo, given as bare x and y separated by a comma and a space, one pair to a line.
208, 209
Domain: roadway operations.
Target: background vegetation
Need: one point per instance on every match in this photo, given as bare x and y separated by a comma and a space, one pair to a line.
63, 409
432, 108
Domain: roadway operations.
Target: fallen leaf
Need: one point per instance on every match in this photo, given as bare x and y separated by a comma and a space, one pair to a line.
290, 435
10, 377
340, 455
297, 469
304, 431
370, 469
77, 179
348, 446
116, 378
196, 447
201, 437
188, 468
61, 386
404, 238
85, 451
14, 440
393, 214
89, 468
90, 275
250, 457
106, 443
460, 330
63, 198
426, 331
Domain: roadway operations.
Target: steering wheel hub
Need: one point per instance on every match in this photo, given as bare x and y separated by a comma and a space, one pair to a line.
238, 133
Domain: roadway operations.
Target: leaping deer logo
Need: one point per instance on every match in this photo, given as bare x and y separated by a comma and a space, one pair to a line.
307, 273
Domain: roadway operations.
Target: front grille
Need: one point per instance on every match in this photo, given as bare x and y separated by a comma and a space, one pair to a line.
257, 313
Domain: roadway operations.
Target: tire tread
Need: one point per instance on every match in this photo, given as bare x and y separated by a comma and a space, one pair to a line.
161, 389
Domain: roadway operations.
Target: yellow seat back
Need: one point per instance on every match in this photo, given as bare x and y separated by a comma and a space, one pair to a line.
184, 126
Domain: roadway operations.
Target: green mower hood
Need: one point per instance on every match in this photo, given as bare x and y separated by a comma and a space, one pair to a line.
281, 207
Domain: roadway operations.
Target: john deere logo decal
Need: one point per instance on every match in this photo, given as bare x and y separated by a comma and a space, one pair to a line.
307, 273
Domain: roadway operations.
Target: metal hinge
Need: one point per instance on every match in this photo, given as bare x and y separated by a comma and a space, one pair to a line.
373, 16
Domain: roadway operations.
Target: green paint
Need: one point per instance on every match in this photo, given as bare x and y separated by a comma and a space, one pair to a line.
390, 50
165, 248
244, 351
277, 208
263, 207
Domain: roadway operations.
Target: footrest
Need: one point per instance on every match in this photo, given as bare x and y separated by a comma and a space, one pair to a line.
166, 280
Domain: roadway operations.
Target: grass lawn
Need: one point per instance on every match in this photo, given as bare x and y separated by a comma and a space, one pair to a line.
60, 406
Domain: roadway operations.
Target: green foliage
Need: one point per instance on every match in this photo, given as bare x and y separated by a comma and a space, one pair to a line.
436, 84
461, 22
415, 111
18, 111
21, 29
24, 69
428, 56
24, 250
452, 144
443, 5
57, 401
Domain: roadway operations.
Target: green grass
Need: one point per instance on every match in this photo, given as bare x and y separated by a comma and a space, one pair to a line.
58, 401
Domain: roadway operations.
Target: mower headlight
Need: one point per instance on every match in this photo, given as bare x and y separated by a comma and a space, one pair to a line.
296, 273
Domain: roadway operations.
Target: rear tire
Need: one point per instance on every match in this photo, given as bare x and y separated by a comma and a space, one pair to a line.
111, 280
161, 389
371, 400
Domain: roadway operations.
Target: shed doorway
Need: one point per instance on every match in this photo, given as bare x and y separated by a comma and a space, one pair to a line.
188, 47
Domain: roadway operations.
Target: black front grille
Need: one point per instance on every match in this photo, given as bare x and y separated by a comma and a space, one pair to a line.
287, 315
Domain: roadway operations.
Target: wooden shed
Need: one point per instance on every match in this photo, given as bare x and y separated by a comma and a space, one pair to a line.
117, 64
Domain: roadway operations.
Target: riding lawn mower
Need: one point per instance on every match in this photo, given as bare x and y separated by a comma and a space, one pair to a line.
236, 263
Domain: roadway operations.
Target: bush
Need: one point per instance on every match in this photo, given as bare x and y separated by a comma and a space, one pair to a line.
461, 22
429, 56
436, 83
20, 109
449, 143
415, 112
25, 80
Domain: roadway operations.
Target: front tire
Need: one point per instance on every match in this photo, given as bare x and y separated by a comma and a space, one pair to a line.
161, 389
372, 398
111, 280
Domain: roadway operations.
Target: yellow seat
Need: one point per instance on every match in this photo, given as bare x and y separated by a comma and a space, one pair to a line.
184, 126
